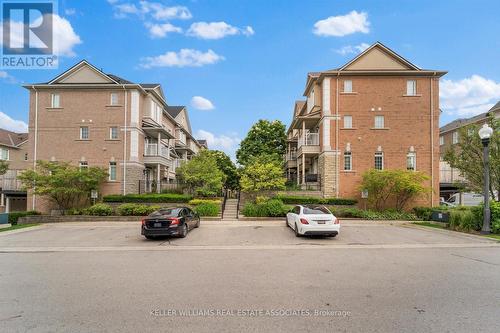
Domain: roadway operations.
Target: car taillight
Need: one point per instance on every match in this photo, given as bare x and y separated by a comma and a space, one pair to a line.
304, 221
143, 221
174, 221
336, 221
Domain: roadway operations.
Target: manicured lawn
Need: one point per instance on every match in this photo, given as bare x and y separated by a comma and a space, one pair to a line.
494, 236
430, 224
438, 226
18, 226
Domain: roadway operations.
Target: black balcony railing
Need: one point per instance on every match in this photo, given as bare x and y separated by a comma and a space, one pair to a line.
152, 186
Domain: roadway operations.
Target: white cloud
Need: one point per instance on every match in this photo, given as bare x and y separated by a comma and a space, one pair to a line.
350, 49
183, 58
7, 77
201, 103
469, 96
343, 25
65, 38
11, 124
70, 11
226, 143
161, 12
217, 30
160, 30
154, 10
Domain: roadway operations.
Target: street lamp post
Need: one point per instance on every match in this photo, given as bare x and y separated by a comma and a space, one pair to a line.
485, 133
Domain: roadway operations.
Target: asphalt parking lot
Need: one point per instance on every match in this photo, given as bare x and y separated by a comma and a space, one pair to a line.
247, 276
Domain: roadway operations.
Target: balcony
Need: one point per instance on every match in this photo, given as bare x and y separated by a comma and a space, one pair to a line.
449, 175
153, 156
180, 138
10, 184
291, 159
309, 144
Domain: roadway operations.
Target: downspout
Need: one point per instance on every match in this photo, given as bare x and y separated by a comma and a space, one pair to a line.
337, 122
432, 138
35, 156
125, 144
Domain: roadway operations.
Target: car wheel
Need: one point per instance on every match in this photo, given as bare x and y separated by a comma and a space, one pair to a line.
296, 231
197, 225
150, 237
184, 231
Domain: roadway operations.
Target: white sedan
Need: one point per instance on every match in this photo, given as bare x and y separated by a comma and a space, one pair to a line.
312, 220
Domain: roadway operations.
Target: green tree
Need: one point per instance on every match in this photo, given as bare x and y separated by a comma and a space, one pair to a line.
66, 185
263, 172
264, 138
467, 157
397, 187
4, 166
202, 175
224, 163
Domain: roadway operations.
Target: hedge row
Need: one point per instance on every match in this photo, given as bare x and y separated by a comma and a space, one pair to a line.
149, 197
300, 200
14, 216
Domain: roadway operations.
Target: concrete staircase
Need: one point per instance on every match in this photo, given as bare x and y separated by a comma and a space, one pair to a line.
230, 211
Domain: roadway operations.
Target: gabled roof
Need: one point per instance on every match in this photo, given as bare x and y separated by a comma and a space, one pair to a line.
175, 110
12, 139
79, 66
378, 46
377, 59
458, 123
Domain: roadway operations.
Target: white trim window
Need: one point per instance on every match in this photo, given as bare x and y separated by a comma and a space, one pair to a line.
113, 133
347, 121
411, 161
454, 137
348, 86
83, 165
441, 140
347, 161
55, 101
379, 122
112, 171
411, 87
4, 154
84, 133
379, 161
113, 98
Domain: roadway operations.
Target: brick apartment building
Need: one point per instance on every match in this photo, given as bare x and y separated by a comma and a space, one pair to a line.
449, 178
13, 150
377, 111
90, 118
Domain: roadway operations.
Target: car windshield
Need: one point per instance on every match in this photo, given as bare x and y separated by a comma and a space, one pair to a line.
316, 210
166, 212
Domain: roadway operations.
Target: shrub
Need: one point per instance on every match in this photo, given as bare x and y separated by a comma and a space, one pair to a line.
425, 213
99, 209
14, 216
463, 219
373, 215
132, 209
269, 208
149, 197
196, 202
303, 200
207, 209
261, 199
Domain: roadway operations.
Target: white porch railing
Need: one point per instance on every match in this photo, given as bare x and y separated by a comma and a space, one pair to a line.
309, 139
151, 149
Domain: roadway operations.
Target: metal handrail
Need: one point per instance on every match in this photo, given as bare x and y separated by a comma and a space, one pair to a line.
238, 206
224, 203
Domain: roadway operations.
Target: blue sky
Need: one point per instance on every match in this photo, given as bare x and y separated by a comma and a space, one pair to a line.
233, 62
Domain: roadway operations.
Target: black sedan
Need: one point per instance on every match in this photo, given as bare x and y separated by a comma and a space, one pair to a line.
169, 222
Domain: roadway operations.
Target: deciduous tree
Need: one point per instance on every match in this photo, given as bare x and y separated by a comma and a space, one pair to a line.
66, 185
264, 138
262, 173
467, 157
202, 174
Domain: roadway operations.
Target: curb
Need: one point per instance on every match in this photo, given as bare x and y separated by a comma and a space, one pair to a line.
452, 233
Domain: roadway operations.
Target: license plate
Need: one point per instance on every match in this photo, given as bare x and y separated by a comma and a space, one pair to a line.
157, 225
321, 222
